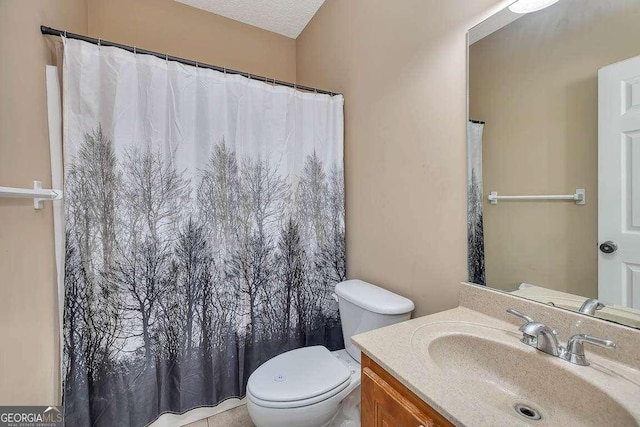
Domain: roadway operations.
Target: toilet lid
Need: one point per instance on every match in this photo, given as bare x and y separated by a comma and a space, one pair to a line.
298, 374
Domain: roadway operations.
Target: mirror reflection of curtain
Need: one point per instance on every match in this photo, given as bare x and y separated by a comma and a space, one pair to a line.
475, 233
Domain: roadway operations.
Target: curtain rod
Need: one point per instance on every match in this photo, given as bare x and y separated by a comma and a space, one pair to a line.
53, 32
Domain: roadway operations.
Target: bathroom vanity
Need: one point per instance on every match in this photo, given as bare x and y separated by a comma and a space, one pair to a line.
469, 367
553, 121
386, 402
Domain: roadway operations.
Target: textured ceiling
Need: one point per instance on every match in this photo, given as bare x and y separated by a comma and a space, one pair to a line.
286, 17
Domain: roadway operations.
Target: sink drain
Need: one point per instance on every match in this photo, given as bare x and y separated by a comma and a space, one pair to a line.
527, 412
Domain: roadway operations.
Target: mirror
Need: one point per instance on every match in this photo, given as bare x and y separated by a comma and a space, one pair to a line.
554, 156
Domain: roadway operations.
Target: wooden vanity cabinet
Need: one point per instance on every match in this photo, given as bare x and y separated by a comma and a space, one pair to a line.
388, 403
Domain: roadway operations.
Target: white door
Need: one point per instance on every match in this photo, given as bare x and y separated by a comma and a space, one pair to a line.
619, 183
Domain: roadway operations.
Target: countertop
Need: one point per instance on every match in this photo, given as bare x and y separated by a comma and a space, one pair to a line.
391, 348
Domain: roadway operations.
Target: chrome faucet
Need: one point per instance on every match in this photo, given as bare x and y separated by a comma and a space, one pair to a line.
538, 335
545, 339
590, 306
575, 348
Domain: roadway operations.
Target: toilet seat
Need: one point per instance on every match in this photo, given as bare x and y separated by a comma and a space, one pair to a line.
297, 403
298, 378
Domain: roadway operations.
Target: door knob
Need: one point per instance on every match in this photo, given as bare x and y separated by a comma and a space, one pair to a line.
608, 247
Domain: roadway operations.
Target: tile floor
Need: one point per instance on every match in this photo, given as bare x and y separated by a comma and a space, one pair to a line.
236, 417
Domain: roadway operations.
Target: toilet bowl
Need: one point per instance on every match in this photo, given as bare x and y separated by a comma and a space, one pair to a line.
302, 387
305, 387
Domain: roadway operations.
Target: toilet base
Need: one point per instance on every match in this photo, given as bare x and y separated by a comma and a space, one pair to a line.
316, 415
346, 411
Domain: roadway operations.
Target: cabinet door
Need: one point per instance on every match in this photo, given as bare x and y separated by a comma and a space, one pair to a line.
383, 406
388, 403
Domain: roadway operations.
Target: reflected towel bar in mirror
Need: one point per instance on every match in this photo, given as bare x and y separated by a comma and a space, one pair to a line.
38, 194
580, 197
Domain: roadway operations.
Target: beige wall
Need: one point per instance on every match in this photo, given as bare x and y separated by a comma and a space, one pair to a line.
28, 306
180, 30
401, 66
28, 294
535, 84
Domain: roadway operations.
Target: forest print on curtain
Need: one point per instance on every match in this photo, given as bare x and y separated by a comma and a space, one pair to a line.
475, 222
204, 232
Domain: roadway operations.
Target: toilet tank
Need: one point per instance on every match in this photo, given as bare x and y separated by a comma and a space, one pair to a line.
364, 307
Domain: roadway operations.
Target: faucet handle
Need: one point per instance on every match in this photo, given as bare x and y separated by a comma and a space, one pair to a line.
520, 315
575, 348
527, 339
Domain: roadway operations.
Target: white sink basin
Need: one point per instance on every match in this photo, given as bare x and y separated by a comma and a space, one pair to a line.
492, 368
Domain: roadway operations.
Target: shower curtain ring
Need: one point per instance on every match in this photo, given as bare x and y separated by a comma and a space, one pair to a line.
99, 42
134, 50
65, 34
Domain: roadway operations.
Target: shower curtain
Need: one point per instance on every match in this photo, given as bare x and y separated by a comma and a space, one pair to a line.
475, 230
204, 218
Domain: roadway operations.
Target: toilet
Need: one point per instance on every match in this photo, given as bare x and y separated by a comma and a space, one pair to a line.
304, 387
